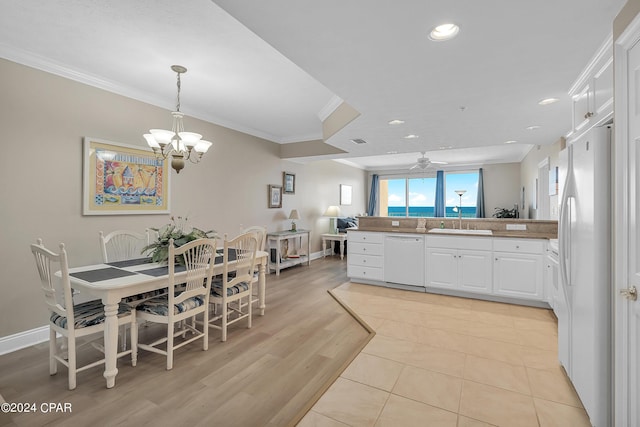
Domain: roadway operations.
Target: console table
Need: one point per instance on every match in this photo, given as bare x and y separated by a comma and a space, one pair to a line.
341, 238
292, 254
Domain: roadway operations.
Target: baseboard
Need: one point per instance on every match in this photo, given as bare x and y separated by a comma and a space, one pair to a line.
24, 339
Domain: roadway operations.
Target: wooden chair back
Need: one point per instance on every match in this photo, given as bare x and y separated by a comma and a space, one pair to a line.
198, 257
121, 245
58, 299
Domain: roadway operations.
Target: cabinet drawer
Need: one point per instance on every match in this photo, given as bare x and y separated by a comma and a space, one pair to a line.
453, 242
365, 260
357, 271
529, 246
362, 237
364, 248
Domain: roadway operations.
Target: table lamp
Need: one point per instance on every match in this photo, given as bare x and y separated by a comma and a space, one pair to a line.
293, 216
333, 212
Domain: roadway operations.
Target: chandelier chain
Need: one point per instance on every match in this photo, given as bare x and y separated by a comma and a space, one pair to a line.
178, 98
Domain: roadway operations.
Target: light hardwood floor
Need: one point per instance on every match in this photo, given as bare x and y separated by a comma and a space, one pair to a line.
269, 375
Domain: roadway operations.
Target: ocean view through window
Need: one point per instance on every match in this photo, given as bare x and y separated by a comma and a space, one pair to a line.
415, 197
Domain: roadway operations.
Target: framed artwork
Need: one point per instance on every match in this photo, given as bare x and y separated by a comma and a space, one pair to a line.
275, 196
289, 182
121, 179
345, 194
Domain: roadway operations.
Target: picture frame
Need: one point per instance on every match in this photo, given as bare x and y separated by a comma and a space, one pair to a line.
275, 196
289, 183
121, 179
345, 194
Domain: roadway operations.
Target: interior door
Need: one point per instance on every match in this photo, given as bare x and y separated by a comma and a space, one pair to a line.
627, 230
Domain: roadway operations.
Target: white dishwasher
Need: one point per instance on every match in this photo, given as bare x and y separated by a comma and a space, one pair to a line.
404, 259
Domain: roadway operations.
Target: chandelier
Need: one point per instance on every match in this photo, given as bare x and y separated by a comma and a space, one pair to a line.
177, 143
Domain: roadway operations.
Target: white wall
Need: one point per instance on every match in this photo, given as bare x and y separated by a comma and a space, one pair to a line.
501, 186
529, 173
44, 118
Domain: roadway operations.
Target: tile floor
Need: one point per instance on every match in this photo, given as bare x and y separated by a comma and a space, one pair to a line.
444, 361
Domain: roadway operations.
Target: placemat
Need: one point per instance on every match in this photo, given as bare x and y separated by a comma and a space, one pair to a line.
130, 262
162, 271
101, 274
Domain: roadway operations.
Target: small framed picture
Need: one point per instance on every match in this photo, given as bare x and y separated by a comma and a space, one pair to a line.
345, 194
289, 182
275, 196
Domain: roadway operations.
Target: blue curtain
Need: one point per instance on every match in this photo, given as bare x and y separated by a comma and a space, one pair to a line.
480, 200
439, 204
373, 197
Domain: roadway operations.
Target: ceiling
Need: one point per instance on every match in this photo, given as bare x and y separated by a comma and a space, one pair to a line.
275, 69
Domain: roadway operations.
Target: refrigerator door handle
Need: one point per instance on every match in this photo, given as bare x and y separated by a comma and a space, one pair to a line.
564, 242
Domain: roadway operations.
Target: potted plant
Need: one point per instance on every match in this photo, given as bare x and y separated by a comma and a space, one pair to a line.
505, 213
176, 230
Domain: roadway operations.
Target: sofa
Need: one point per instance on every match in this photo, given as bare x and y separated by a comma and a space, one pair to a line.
344, 224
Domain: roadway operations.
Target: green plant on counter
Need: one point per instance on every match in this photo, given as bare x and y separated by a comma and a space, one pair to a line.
505, 213
176, 230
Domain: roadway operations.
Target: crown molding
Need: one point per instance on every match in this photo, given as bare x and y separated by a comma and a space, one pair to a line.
41, 63
331, 106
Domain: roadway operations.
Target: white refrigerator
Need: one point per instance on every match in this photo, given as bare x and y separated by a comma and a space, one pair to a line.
584, 319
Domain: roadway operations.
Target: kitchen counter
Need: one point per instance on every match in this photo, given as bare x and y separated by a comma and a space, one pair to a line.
496, 233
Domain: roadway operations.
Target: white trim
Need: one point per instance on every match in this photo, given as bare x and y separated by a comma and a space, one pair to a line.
622, 45
300, 138
591, 66
331, 106
24, 339
38, 62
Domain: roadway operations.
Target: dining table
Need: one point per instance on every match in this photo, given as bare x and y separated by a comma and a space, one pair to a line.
113, 281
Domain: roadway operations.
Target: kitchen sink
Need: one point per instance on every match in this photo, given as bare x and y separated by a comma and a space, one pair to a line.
461, 231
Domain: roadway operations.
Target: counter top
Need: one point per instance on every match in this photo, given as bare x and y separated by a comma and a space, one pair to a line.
496, 233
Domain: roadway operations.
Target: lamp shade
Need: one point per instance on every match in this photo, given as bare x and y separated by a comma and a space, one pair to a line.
332, 211
294, 214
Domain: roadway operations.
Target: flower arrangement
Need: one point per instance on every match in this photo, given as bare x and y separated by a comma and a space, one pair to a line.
178, 231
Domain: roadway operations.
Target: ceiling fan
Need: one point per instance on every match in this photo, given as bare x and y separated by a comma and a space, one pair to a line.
424, 162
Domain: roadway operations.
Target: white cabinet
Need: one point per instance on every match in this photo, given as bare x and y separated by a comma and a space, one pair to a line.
518, 269
462, 263
592, 92
404, 259
365, 260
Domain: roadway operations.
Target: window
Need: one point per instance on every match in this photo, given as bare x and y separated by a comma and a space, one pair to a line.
415, 197
393, 197
422, 196
461, 181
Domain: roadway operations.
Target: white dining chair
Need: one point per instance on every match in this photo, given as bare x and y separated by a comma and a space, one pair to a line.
261, 234
69, 320
188, 297
228, 290
122, 245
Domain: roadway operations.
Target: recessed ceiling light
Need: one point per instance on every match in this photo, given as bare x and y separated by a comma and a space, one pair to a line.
548, 101
444, 32
510, 142
534, 127
392, 152
445, 147
411, 136
396, 122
